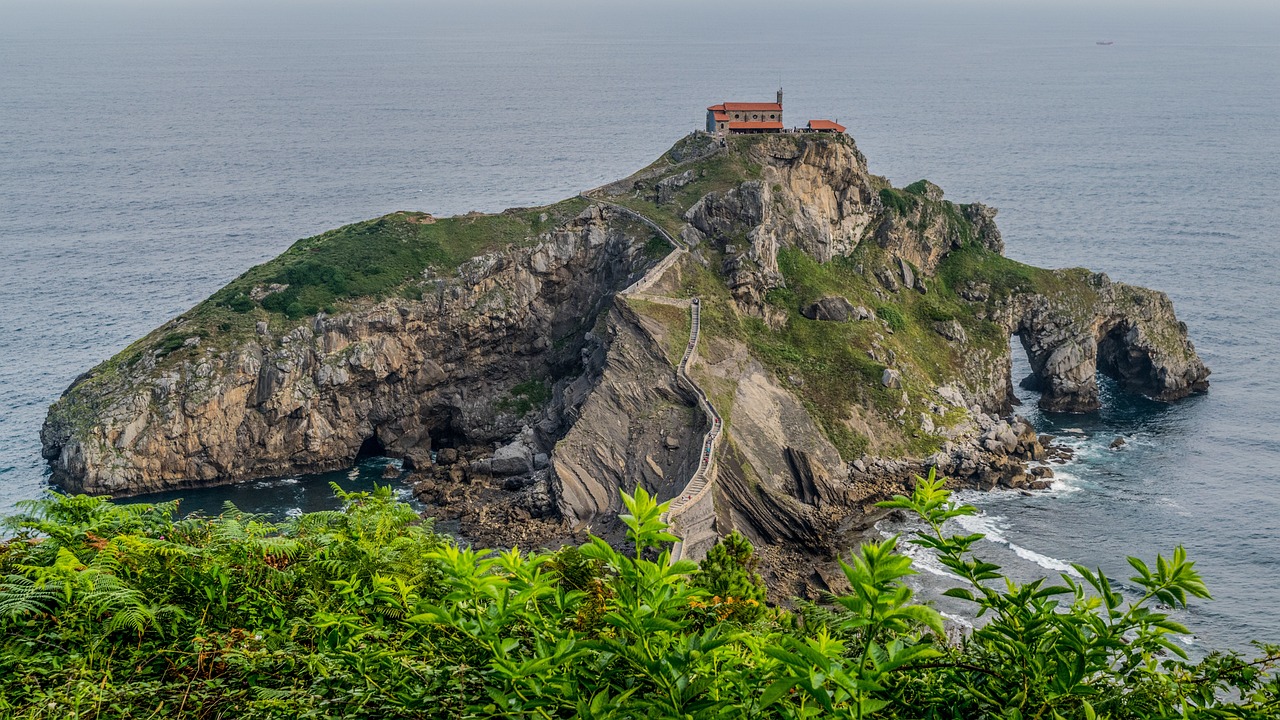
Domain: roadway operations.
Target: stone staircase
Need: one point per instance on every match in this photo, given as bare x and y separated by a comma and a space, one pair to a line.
700, 483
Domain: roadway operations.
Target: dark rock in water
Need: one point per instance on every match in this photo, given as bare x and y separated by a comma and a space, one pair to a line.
1031, 382
416, 459
1117, 443
1039, 485
390, 471
1042, 472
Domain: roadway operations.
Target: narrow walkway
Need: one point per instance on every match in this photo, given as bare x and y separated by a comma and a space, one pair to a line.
700, 483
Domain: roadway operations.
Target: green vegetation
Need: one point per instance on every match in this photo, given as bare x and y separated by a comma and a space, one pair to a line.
892, 317
121, 611
526, 396
973, 265
899, 201
840, 377
657, 247
375, 259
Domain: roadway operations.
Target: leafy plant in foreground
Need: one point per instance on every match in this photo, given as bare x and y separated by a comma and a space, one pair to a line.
121, 611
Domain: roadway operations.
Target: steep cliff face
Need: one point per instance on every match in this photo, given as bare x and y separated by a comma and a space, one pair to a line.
400, 376
852, 334
635, 425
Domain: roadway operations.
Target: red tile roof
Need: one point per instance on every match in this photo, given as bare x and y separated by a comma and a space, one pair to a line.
826, 125
719, 116
717, 108
765, 125
753, 107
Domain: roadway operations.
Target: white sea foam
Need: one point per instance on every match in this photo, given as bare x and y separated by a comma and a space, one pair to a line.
992, 526
276, 482
1065, 483
922, 559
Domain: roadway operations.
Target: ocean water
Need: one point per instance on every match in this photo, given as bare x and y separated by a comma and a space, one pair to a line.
151, 152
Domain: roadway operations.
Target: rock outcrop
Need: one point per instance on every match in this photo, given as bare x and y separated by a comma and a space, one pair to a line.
399, 376
1128, 333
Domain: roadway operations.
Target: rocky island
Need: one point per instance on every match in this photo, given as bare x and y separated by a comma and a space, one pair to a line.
759, 304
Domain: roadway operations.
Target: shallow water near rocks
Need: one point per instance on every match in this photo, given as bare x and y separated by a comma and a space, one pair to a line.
283, 498
149, 157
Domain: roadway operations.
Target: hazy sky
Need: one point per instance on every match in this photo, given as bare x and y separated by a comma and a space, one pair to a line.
33, 18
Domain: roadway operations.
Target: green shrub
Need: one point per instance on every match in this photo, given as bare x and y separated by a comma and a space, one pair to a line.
169, 344
919, 187
892, 317
898, 201
125, 611
933, 310
728, 574
657, 247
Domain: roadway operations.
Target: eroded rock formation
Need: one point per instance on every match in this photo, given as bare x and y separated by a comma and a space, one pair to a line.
1128, 333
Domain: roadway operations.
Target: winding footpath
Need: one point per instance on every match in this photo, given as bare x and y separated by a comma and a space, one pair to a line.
701, 481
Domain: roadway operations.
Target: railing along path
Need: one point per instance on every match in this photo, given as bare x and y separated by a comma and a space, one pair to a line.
700, 483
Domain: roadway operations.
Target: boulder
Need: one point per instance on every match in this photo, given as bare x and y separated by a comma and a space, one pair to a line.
667, 187
891, 378
833, 309
512, 459
951, 330
908, 277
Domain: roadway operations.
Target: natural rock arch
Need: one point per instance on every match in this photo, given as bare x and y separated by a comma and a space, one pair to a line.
1127, 333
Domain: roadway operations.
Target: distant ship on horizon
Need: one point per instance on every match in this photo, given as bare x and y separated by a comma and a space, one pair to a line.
1106, 42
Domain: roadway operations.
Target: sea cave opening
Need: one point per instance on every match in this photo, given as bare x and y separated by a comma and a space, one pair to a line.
445, 428
371, 447
1132, 370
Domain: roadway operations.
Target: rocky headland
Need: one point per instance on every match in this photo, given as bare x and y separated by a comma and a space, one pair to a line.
523, 364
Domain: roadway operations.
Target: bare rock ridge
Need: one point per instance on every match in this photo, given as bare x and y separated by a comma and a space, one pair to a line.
852, 335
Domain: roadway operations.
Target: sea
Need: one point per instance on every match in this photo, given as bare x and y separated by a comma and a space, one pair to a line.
150, 152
